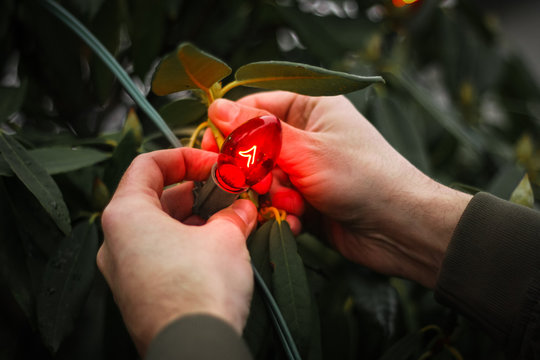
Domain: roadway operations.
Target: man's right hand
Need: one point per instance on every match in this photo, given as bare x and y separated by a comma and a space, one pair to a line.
382, 211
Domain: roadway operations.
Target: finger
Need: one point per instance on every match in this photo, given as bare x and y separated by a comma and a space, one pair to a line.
280, 177
227, 115
242, 214
150, 172
289, 200
209, 142
294, 224
263, 186
177, 201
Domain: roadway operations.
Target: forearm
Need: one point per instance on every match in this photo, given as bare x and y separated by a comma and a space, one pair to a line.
419, 224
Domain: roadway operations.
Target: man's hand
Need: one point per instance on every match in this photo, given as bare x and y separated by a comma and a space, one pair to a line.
381, 210
159, 267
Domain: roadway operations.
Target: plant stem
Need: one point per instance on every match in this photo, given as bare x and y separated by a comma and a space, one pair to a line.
113, 65
196, 133
217, 134
230, 86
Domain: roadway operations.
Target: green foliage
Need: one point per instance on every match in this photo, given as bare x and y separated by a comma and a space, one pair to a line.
453, 102
300, 78
36, 180
188, 68
290, 284
66, 283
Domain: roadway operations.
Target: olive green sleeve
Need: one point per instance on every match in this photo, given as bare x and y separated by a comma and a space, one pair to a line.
491, 273
198, 337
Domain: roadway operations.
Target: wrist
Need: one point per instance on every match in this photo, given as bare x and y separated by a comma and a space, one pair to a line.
422, 225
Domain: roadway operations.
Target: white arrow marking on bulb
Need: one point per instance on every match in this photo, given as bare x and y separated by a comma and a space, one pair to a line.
247, 153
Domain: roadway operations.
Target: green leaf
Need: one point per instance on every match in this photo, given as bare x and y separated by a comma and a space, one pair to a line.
122, 156
182, 112
57, 160
5, 170
258, 326
11, 100
133, 124
66, 283
188, 68
301, 78
60, 159
506, 180
290, 286
36, 179
523, 194
13, 270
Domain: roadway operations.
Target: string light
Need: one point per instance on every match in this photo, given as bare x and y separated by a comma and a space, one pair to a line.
249, 153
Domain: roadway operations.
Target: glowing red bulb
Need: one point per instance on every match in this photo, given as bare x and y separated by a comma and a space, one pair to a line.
249, 153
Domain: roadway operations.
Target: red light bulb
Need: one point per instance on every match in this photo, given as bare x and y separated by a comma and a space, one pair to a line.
249, 153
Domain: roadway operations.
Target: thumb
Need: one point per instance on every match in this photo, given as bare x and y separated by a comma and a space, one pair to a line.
227, 115
242, 214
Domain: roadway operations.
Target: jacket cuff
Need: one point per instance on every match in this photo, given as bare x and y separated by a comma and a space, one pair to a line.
491, 269
198, 337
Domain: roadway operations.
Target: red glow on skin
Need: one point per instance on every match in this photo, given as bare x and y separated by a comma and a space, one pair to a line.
249, 153
289, 200
263, 186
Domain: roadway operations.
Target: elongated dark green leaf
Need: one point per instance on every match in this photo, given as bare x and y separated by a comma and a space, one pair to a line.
301, 78
258, 246
523, 194
290, 286
506, 180
188, 68
66, 282
5, 170
258, 326
36, 180
13, 270
182, 112
11, 100
56, 160
60, 159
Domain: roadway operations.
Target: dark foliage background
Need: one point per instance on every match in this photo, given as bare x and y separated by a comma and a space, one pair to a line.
456, 103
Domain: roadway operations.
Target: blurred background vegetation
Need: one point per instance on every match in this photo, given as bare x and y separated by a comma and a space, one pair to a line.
458, 102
